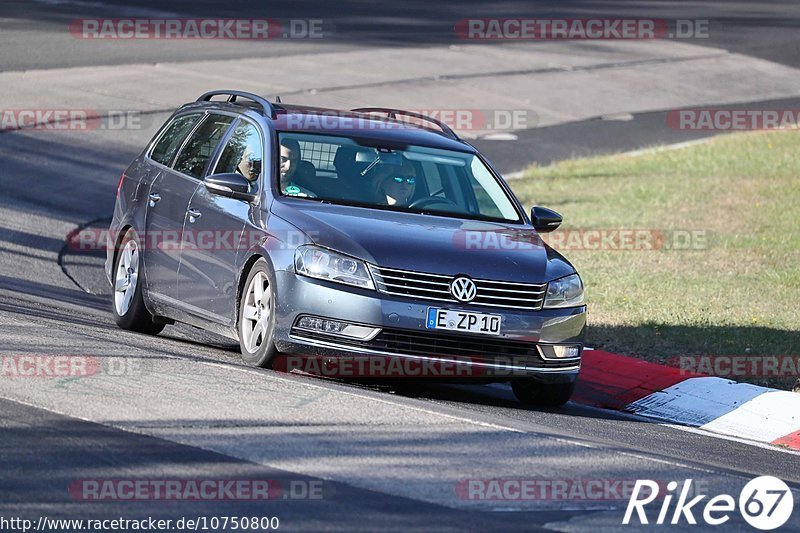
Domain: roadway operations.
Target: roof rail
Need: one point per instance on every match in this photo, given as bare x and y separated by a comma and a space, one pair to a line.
392, 113
269, 111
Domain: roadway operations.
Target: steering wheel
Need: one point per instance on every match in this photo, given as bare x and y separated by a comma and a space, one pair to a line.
428, 200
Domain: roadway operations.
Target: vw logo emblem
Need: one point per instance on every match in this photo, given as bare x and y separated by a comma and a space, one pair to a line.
463, 289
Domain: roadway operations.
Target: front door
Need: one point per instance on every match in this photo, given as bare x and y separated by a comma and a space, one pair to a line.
212, 237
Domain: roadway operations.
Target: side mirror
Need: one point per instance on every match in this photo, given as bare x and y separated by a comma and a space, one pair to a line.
231, 185
545, 220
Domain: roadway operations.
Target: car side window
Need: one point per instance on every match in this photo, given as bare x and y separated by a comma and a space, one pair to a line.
164, 150
199, 148
243, 153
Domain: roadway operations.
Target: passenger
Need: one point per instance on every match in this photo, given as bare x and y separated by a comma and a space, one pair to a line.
290, 162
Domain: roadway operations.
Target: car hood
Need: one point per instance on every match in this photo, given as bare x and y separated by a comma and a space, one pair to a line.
426, 243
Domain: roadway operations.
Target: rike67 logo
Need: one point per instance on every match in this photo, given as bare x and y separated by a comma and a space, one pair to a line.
765, 503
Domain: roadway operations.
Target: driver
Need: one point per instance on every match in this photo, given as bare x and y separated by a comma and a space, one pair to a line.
248, 166
397, 187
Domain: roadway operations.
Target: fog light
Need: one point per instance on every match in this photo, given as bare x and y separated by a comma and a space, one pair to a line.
559, 351
337, 328
312, 323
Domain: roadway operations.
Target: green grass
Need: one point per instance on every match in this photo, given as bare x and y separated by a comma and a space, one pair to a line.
739, 294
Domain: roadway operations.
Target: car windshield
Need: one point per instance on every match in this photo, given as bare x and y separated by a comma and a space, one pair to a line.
417, 179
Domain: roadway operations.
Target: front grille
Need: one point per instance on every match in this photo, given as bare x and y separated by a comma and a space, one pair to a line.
432, 344
437, 287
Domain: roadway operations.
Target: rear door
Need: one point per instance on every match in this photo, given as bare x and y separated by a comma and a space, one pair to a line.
182, 181
168, 197
212, 236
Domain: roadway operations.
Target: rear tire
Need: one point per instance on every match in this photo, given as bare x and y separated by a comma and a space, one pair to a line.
532, 392
128, 305
256, 325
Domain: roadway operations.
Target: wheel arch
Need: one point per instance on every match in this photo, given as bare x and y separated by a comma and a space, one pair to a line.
118, 243
244, 273
125, 228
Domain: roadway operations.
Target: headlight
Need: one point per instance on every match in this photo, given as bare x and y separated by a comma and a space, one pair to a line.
564, 292
320, 263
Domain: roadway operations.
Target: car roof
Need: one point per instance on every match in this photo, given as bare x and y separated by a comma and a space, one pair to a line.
336, 122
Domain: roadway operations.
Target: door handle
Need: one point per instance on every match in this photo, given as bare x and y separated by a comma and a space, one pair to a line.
194, 214
154, 198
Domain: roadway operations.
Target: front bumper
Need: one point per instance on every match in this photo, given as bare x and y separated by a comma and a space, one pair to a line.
516, 353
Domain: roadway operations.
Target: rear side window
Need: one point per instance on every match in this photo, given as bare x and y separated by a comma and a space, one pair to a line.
201, 145
164, 150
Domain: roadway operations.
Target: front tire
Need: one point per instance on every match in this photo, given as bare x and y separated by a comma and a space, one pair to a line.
532, 392
130, 311
257, 317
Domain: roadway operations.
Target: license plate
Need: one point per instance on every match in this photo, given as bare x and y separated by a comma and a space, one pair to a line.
463, 321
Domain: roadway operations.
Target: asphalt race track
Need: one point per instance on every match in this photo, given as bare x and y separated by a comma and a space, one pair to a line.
182, 406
